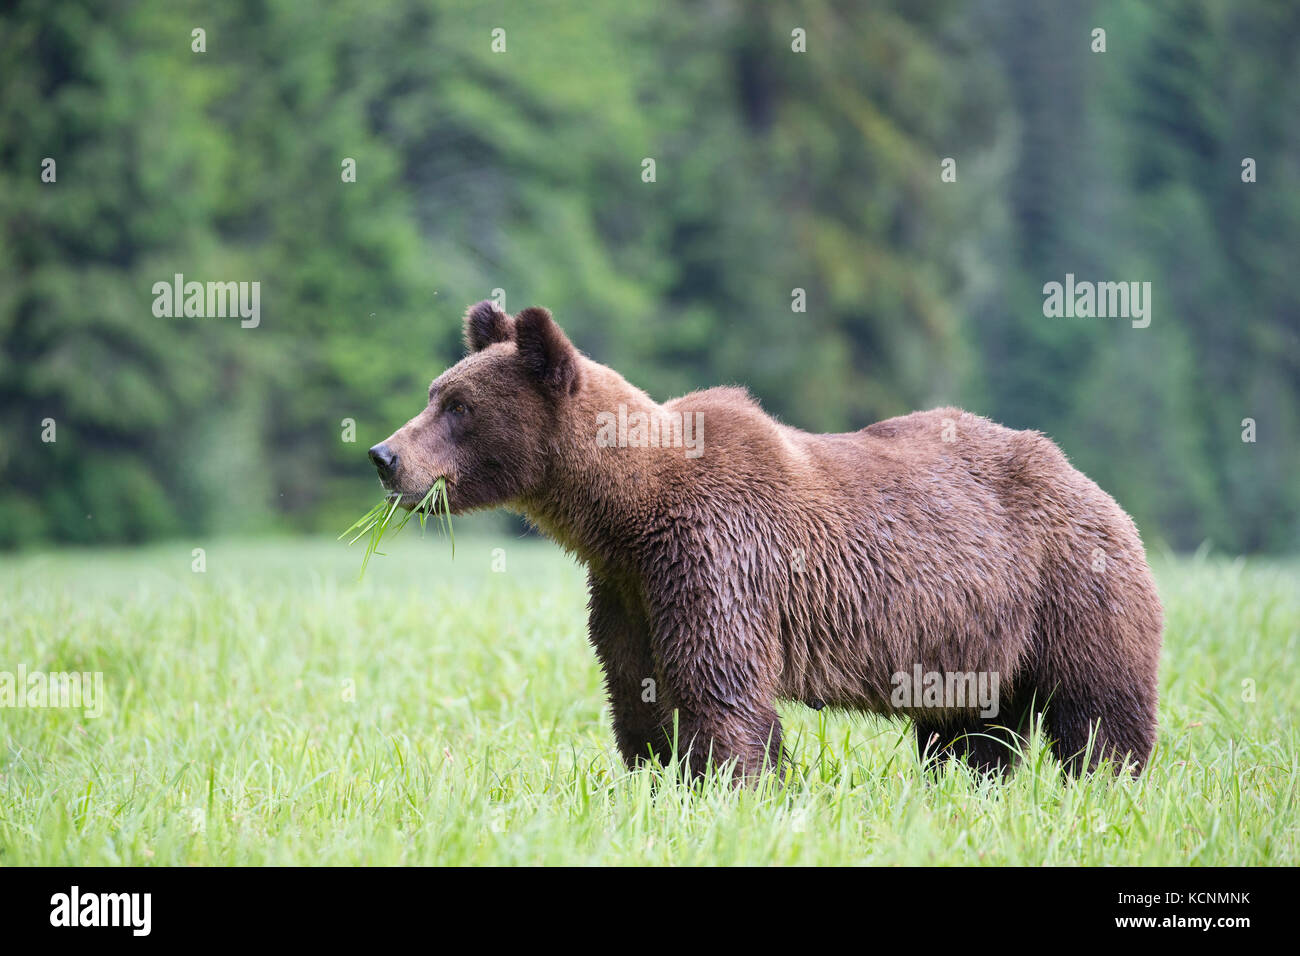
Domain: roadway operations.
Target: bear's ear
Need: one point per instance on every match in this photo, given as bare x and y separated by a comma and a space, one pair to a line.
547, 355
486, 324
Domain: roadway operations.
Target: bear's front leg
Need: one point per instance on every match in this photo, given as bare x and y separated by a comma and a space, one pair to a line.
721, 671
709, 735
619, 633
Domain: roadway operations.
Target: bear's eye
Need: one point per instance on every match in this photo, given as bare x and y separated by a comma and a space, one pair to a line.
457, 408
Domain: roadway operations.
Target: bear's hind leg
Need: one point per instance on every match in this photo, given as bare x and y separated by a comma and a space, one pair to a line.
1122, 731
988, 744
1099, 642
936, 742
985, 744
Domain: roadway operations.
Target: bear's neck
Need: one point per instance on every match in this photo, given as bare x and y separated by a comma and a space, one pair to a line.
598, 479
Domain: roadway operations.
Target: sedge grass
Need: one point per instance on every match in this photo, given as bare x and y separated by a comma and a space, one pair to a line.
379, 519
267, 712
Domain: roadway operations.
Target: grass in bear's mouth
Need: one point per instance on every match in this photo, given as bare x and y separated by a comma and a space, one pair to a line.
378, 519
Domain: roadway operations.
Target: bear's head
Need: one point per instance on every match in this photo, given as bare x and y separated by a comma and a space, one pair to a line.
490, 425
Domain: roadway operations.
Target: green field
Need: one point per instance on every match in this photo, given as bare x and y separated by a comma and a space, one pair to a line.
274, 710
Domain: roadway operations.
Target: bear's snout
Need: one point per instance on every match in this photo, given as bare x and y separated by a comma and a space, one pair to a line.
385, 461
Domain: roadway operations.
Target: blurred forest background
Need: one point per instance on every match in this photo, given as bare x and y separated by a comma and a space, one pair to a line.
522, 170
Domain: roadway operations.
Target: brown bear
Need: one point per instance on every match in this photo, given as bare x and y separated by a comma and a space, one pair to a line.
765, 563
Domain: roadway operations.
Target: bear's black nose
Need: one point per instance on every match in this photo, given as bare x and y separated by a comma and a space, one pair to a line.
384, 460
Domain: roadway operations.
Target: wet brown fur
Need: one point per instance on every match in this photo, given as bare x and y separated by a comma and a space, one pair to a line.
783, 565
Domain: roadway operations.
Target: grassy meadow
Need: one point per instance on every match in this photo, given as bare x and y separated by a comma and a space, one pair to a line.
275, 710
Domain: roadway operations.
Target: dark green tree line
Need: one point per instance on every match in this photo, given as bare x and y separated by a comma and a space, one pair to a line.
779, 177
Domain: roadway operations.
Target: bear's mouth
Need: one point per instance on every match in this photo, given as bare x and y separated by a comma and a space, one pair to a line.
409, 499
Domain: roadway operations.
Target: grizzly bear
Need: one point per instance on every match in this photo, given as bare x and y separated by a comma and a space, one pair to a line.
734, 561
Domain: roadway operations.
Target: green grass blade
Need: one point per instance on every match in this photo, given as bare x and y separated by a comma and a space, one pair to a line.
376, 522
